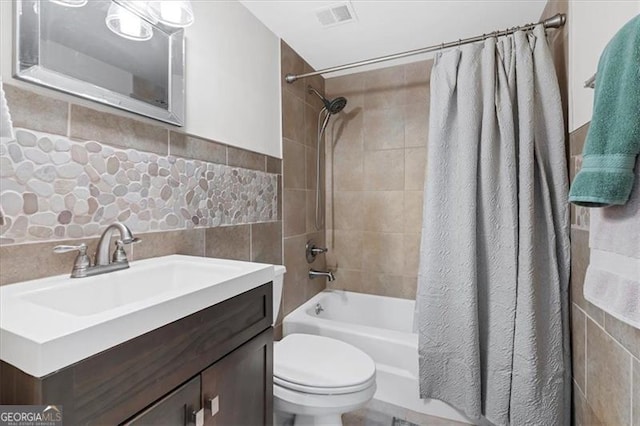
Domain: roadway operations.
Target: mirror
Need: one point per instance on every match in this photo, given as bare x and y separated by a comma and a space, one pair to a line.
71, 49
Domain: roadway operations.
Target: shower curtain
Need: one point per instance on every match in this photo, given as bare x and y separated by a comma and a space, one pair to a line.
494, 263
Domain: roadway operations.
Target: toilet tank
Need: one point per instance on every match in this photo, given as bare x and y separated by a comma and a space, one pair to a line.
278, 281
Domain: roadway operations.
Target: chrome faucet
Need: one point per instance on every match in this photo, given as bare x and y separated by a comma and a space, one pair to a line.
318, 274
82, 266
119, 256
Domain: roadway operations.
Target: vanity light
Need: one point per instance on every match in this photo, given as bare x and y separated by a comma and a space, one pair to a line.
171, 13
127, 24
174, 13
70, 3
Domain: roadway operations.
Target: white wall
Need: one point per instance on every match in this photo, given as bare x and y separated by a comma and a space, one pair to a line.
592, 23
237, 60
232, 77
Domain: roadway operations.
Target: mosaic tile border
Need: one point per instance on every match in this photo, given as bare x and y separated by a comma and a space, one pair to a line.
55, 188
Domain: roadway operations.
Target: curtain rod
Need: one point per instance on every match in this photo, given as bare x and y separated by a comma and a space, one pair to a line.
555, 21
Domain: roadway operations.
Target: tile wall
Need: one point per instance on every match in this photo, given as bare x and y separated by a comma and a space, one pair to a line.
299, 126
605, 351
57, 188
199, 177
376, 159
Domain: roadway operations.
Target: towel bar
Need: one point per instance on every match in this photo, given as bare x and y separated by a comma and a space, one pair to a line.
591, 82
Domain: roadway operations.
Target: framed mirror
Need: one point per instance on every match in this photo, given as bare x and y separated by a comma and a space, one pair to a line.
72, 50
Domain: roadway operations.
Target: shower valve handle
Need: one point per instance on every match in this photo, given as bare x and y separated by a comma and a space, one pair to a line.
312, 251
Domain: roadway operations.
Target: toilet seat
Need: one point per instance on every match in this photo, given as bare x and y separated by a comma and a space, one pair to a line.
317, 390
320, 365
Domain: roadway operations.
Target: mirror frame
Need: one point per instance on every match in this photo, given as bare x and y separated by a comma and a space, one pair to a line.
26, 52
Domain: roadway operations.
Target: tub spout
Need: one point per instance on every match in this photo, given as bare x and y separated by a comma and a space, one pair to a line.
318, 274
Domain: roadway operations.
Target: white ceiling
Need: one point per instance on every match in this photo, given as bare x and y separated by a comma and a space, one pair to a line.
386, 27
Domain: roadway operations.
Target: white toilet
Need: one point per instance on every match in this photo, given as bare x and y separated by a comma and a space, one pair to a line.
315, 378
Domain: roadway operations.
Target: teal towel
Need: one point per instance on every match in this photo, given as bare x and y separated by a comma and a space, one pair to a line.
613, 141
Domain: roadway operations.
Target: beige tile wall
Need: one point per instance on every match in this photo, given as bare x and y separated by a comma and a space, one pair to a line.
376, 159
230, 242
299, 126
261, 242
605, 351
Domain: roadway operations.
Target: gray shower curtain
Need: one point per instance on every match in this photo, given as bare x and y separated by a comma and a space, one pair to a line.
494, 264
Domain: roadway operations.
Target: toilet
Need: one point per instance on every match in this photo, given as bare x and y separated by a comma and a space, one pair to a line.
316, 379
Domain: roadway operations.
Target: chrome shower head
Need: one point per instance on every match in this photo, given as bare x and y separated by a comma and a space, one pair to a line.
333, 106
336, 105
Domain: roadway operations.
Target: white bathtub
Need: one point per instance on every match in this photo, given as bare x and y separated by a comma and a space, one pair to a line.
381, 327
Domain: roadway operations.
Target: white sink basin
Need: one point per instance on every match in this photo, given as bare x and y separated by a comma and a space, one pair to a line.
94, 295
48, 324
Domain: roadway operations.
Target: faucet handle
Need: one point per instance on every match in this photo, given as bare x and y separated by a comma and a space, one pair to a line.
82, 262
82, 248
311, 251
119, 255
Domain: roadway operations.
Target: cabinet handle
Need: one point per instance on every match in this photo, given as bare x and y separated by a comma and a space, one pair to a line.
214, 405
198, 417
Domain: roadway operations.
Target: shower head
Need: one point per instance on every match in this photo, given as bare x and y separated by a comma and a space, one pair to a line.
333, 106
337, 105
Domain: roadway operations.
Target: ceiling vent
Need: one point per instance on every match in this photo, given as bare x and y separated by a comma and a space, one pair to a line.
336, 14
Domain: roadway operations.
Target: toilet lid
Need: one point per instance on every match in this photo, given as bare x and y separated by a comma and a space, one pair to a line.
318, 364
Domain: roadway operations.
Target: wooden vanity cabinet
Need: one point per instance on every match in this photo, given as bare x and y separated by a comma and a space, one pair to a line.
220, 358
177, 408
238, 389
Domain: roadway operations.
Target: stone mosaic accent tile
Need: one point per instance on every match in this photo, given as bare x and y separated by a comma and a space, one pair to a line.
54, 188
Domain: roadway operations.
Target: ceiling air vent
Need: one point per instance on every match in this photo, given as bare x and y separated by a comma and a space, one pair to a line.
336, 14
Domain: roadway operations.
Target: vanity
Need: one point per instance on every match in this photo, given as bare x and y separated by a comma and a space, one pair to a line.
175, 340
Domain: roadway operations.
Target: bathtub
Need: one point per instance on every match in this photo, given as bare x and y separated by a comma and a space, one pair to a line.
381, 327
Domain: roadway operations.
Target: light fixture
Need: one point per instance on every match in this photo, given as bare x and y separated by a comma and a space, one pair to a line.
70, 3
127, 24
133, 19
167, 13
174, 13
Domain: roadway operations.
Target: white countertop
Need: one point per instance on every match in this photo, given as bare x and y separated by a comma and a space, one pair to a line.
51, 323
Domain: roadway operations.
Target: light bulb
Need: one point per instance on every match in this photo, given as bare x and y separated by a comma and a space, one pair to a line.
174, 13
126, 24
70, 3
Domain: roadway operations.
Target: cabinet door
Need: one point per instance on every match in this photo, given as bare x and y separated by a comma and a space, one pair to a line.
175, 409
238, 389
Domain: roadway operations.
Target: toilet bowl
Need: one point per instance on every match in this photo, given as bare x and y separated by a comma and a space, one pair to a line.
316, 379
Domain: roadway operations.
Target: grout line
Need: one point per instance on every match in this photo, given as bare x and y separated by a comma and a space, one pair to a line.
251, 242
69, 120
631, 393
585, 356
282, 244
204, 243
580, 391
606, 332
579, 227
